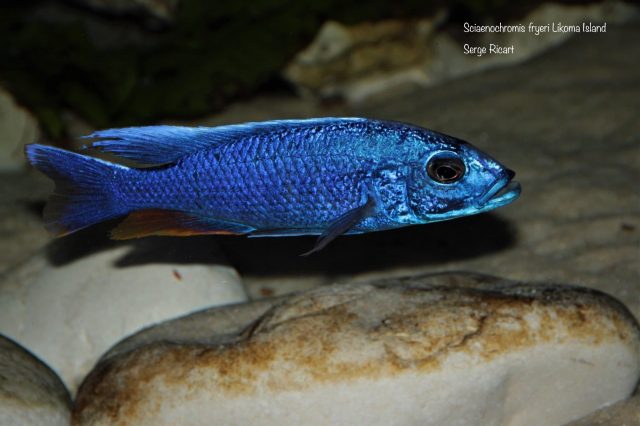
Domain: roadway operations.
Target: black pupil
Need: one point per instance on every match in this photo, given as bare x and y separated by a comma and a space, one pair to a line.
445, 170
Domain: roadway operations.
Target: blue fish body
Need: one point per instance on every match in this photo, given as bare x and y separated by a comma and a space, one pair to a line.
326, 177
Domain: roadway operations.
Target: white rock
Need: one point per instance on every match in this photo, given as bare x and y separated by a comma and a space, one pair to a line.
17, 128
72, 313
387, 353
30, 393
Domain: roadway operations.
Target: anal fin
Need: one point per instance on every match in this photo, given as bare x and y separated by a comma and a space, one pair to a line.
143, 223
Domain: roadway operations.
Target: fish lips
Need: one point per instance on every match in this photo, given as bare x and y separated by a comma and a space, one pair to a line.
503, 191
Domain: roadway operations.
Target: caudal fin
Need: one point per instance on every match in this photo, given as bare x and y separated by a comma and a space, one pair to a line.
83, 194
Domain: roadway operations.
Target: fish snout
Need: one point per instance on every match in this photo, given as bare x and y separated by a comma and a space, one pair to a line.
497, 191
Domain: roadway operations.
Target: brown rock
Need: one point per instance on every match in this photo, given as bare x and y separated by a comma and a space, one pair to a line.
411, 351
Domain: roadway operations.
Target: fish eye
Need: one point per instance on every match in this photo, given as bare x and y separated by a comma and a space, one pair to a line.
445, 169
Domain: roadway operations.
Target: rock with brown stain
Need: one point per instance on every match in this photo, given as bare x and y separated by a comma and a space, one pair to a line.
30, 393
444, 350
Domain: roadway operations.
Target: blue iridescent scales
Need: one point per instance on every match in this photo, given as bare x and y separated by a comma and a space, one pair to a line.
323, 176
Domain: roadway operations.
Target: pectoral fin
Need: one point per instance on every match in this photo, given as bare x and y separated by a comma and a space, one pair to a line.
342, 225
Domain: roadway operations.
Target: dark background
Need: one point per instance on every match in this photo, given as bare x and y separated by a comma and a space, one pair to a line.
123, 66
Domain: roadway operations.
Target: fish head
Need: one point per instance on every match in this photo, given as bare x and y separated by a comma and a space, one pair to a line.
455, 179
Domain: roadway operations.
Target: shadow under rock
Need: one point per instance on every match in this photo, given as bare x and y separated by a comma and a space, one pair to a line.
417, 245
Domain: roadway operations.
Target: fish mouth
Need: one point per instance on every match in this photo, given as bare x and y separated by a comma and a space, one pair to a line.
503, 191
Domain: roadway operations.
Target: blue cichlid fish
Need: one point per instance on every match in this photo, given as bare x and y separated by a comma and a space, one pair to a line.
323, 176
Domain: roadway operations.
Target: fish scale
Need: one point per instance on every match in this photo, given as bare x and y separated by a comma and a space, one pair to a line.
240, 178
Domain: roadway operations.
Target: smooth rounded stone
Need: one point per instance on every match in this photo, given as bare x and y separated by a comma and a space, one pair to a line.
452, 349
17, 128
30, 393
71, 312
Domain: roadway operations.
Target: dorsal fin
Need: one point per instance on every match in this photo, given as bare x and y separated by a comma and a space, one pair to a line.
167, 144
